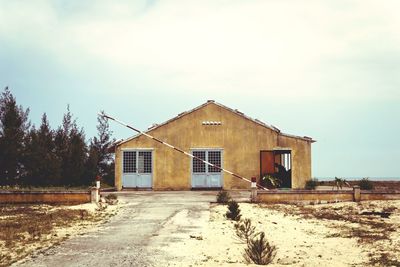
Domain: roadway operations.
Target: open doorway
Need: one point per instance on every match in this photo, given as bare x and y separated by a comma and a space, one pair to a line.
278, 164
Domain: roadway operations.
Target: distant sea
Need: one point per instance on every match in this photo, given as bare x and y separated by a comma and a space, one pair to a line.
359, 178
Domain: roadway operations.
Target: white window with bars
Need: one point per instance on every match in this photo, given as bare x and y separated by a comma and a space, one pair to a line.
129, 162
137, 162
212, 156
144, 162
199, 166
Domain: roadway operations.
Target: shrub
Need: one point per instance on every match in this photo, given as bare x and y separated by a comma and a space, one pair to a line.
223, 197
233, 212
271, 181
311, 184
111, 196
259, 251
340, 182
244, 230
365, 184
111, 199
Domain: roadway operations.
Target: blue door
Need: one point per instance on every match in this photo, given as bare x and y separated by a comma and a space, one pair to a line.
137, 169
203, 175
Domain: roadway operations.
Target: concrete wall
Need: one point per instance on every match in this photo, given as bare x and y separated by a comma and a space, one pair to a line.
371, 195
307, 196
45, 197
241, 140
322, 196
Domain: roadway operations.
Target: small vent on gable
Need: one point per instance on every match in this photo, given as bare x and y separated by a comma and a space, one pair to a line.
211, 123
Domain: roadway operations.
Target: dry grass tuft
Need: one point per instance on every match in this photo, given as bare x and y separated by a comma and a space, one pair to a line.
27, 224
24, 225
384, 259
368, 229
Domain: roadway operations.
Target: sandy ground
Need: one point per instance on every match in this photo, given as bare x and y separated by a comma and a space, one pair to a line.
59, 234
300, 241
127, 239
102, 211
184, 229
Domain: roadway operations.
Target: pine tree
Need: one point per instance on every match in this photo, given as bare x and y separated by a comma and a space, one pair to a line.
100, 161
61, 142
233, 212
77, 156
43, 167
91, 166
71, 149
13, 127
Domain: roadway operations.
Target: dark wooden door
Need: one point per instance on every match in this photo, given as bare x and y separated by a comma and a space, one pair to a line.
267, 161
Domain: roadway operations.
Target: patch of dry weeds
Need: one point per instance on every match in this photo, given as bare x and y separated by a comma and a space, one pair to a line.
24, 228
375, 233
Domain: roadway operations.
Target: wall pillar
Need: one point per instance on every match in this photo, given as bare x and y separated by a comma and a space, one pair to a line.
357, 193
94, 195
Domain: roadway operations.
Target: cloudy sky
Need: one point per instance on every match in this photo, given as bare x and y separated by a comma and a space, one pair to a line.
325, 69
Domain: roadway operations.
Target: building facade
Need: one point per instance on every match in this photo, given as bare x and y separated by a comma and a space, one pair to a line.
220, 135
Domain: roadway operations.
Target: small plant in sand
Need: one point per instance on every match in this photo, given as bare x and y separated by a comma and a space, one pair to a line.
233, 212
223, 197
259, 250
244, 230
311, 184
365, 184
271, 181
111, 199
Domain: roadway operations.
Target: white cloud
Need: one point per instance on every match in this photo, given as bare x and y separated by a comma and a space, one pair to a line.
274, 48
328, 69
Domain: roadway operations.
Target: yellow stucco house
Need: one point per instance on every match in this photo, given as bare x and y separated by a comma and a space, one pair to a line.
217, 134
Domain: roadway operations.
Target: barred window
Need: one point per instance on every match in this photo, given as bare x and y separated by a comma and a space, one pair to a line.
199, 166
214, 157
129, 161
144, 162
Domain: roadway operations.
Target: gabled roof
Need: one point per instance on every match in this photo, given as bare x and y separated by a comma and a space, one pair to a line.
237, 112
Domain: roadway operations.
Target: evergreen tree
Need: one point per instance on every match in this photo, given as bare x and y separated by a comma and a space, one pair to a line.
13, 126
100, 160
43, 167
91, 166
72, 151
77, 157
61, 142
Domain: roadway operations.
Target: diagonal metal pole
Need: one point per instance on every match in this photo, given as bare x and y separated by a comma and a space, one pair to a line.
178, 149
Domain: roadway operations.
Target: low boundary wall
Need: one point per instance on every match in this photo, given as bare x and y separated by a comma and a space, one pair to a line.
372, 195
45, 197
324, 196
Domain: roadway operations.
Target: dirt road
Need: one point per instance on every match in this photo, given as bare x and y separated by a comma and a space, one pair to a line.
135, 235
